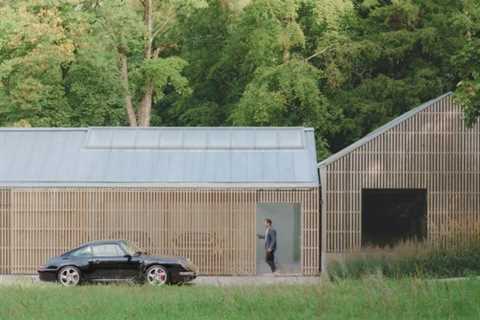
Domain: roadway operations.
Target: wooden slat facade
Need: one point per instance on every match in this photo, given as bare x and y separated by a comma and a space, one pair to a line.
4, 231
431, 150
215, 228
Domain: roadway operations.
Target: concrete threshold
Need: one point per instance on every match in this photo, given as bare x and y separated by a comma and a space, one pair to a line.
260, 280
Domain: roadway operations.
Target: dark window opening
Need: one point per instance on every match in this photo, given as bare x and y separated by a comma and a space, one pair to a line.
390, 216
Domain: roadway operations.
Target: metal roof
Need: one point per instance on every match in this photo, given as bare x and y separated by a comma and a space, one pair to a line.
381, 130
270, 157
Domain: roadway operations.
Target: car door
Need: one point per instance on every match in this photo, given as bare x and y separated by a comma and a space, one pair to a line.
81, 259
110, 261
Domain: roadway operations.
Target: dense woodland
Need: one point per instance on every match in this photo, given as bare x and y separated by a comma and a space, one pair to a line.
342, 67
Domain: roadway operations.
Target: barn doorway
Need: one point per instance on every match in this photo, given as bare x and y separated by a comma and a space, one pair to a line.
390, 216
286, 218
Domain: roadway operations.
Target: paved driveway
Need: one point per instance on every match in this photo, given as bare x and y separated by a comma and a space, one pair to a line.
203, 280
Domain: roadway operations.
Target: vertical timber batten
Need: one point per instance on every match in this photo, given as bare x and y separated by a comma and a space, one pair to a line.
5, 228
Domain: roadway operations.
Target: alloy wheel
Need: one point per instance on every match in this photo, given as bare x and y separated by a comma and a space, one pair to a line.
69, 276
157, 275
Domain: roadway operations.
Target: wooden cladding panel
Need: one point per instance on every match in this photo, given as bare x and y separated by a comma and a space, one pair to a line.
432, 150
4, 231
214, 228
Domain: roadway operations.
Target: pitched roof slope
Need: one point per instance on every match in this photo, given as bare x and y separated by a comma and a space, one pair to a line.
372, 135
158, 157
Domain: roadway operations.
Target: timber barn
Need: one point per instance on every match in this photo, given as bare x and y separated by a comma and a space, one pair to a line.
202, 193
418, 177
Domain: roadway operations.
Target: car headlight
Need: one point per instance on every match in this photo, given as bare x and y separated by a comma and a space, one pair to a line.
184, 264
188, 265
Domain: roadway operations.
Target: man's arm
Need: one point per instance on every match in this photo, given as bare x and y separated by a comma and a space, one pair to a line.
260, 236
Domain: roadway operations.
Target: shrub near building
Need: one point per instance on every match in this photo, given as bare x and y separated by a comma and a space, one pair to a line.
419, 259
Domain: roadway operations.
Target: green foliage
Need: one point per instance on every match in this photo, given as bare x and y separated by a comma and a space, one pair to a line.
93, 90
285, 95
467, 60
167, 72
343, 67
389, 57
35, 47
52, 72
205, 32
425, 262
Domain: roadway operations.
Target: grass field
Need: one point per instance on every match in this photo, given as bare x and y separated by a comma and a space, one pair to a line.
372, 298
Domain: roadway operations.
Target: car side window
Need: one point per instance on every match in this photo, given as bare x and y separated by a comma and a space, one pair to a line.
82, 252
107, 250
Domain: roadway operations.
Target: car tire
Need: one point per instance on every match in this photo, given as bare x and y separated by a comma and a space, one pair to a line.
157, 275
69, 276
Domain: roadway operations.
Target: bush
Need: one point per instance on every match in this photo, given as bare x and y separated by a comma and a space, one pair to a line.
458, 256
453, 251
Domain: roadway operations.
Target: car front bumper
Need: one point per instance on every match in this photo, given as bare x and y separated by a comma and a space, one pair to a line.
186, 276
45, 274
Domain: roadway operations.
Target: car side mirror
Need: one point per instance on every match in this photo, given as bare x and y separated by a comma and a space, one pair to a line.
127, 256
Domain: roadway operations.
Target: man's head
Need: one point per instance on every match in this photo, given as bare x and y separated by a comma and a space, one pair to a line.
268, 223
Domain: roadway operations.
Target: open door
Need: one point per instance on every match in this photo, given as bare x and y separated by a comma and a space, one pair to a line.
286, 218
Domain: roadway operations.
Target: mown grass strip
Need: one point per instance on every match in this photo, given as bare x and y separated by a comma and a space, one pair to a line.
371, 298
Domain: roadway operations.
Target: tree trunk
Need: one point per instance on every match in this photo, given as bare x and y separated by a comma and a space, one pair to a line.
286, 54
145, 108
147, 20
132, 119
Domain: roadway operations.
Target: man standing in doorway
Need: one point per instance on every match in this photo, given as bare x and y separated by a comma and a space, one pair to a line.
270, 243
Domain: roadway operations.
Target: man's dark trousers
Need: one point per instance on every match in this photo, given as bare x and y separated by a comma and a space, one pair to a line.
270, 259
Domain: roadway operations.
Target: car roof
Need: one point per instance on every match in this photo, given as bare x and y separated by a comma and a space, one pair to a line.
96, 242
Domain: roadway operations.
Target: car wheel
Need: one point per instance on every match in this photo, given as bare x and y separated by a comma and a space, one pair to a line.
156, 275
69, 276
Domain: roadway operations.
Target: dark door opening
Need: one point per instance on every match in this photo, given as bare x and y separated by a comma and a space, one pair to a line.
390, 216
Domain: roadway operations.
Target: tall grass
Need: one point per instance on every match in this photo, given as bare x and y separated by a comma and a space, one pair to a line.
369, 298
453, 251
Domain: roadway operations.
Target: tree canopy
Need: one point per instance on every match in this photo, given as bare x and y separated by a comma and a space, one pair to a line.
342, 67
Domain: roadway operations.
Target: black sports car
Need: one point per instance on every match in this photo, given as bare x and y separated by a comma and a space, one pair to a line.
114, 260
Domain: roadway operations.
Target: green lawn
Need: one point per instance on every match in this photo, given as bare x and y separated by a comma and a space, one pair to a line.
361, 299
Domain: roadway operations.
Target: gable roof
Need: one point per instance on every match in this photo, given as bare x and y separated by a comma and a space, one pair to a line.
158, 157
389, 125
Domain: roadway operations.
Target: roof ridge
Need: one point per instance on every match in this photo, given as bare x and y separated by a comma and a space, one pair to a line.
200, 128
151, 128
43, 129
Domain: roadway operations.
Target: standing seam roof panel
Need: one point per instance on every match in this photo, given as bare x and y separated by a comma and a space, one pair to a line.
158, 156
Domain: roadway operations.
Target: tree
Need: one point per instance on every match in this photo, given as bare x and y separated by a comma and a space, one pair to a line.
205, 33
34, 48
343, 67
388, 57
467, 60
286, 95
282, 87
53, 69
145, 36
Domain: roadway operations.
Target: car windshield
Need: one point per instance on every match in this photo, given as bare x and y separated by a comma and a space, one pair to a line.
131, 248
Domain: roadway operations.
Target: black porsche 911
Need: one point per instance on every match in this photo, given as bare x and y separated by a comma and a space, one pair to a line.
115, 260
